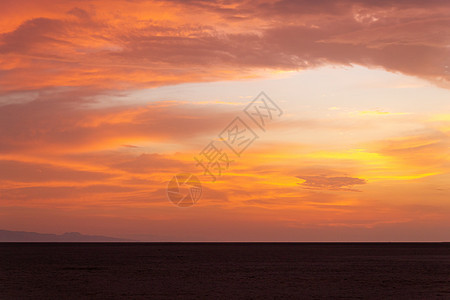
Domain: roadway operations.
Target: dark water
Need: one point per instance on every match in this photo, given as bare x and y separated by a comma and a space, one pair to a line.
251, 271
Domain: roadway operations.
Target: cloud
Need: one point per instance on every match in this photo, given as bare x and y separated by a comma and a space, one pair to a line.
92, 45
63, 144
322, 182
20, 171
64, 193
381, 113
150, 163
425, 150
63, 122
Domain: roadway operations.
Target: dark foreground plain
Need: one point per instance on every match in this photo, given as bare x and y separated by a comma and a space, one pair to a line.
225, 270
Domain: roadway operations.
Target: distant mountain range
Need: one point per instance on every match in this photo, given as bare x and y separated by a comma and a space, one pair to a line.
23, 236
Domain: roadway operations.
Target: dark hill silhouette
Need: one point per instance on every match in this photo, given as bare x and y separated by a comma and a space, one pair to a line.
23, 236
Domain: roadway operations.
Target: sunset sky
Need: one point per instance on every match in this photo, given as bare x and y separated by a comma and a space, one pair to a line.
103, 102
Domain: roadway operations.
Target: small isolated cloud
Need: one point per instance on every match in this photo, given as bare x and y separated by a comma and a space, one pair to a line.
380, 112
322, 182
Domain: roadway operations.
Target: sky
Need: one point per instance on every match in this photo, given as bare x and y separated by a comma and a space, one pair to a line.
102, 103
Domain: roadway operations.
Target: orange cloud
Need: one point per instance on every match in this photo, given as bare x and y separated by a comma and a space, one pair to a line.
330, 183
166, 42
65, 150
52, 125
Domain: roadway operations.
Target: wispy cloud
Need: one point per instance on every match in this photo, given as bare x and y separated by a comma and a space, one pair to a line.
80, 44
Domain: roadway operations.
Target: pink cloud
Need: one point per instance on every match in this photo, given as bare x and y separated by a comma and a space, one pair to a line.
85, 47
57, 123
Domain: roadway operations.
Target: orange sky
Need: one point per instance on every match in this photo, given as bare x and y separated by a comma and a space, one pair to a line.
102, 102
